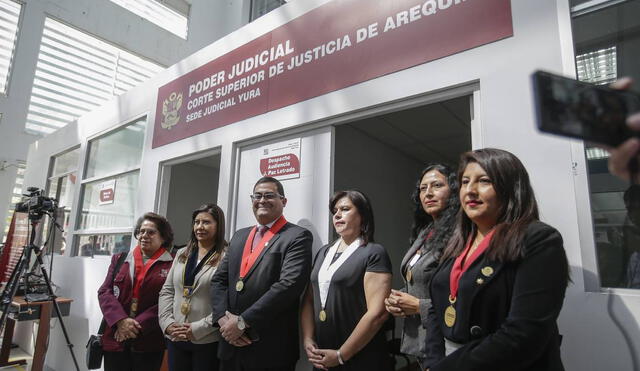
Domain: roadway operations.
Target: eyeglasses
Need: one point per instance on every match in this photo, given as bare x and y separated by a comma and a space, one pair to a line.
267, 196
148, 232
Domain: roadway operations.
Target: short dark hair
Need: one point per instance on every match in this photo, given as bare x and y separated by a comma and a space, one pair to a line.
163, 225
268, 179
220, 243
363, 205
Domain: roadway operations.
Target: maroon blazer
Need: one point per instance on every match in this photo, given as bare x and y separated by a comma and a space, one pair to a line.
115, 303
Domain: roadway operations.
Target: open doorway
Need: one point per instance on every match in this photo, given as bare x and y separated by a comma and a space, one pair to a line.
384, 155
191, 183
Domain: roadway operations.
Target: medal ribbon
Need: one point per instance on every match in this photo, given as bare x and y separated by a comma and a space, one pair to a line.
327, 269
191, 270
141, 269
417, 255
249, 257
458, 268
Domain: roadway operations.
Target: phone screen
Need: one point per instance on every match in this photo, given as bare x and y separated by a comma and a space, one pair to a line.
581, 110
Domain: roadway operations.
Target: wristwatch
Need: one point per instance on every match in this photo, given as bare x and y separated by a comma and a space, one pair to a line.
241, 324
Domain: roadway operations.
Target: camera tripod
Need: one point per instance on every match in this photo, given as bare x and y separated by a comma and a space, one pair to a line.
21, 270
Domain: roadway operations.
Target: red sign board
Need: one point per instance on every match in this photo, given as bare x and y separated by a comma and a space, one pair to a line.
106, 195
320, 52
285, 165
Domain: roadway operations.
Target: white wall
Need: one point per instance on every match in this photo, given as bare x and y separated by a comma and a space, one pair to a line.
208, 21
503, 118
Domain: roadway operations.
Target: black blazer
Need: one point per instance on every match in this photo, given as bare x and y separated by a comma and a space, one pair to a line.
507, 319
269, 302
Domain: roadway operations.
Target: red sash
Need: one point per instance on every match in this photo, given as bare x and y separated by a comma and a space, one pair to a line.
458, 268
248, 257
141, 268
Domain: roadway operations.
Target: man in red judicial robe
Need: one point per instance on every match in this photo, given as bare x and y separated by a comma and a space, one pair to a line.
256, 290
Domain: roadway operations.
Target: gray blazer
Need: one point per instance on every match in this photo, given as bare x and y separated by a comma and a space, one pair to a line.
171, 300
414, 333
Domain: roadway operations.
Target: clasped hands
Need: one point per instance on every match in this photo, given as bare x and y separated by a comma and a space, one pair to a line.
320, 358
401, 304
180, 332
127, 328
230, 331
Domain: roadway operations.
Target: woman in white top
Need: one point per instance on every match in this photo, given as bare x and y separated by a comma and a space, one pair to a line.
184, 308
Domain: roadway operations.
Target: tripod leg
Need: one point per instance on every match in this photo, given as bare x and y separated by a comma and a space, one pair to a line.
57, 310
10, 289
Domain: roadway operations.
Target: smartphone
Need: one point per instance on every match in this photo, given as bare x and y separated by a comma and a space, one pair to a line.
581, 110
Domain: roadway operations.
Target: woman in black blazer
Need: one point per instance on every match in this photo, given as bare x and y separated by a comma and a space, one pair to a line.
503, 276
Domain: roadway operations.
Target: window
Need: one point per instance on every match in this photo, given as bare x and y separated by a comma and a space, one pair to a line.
108, 191
9, 18
160, 14
607, 47
77, 72
262, 7
61, 185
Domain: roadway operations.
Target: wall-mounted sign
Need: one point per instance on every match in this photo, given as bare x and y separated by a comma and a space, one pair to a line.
320, 52
107, 192
281, 160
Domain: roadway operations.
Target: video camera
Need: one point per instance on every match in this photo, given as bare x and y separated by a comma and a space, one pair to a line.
35, 203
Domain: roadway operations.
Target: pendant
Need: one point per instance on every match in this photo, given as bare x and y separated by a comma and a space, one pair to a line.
185, 308
134, 306
239, 285
450, 316
186, 292
409, 276
487, 271
322, 315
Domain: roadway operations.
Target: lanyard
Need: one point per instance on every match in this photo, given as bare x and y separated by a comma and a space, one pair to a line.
327, 269
458, 268
249, 257
141, 269
191, 270
419, 251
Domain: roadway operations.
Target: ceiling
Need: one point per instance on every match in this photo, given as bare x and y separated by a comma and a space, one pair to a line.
435, 132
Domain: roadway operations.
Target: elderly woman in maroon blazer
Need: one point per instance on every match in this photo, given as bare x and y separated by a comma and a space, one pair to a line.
133, 339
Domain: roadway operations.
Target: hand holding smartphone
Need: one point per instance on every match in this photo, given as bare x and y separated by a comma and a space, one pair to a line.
584, 111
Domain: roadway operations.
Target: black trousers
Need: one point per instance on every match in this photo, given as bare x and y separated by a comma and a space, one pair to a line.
186, 356
128, 360
234, 364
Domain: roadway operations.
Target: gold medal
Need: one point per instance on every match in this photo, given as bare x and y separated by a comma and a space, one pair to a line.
239, 285
450, 316
487, 271
323, 315
134, 307
185, 308
450, 313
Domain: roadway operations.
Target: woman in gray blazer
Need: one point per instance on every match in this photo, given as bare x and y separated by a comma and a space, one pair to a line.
184, 307
436, 205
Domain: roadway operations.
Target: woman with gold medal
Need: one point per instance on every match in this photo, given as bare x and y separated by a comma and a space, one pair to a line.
343, 309
436, 203
184, 305
499, 289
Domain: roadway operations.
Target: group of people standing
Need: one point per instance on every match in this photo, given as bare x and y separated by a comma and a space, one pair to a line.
484, 283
